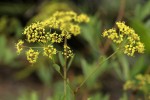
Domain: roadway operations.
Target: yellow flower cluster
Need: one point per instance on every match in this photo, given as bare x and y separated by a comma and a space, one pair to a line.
32, 55
19, 46
82, 18
67, 51
49, 51
35, 33
66, 22
127, 34
140, 83
129, 85
56, 29
56, 38
113, 35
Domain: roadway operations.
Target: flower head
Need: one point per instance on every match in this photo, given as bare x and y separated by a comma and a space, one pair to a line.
129, 85
138, 83
67, 51
32, 55
35, 33
82, 18
127, 34
49, 51
19, 46
56, 38
74, 29
59, 27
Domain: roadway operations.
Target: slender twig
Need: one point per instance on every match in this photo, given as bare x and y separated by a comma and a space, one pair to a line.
32, 47
96, 68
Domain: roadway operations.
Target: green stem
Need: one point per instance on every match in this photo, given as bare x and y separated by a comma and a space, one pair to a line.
32, 47
70, 86
65, 73
96, 68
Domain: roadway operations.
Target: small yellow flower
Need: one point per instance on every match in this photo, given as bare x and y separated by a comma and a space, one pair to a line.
123, 28
75, 29
129, 50
56, 38
139, 83
32, 55
127, 34
66, 34
57, 28
113, 35
35, 33
19, 46
67, 51
140, 47
129, 85
83, 18
49, 51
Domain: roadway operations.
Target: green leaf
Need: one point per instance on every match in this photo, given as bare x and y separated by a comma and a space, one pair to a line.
34, 96
142, 11
124, 97
44, 73
14, 8
142, 31
16, 27
24, 72
91, 31
3, 24
88, 68
9, 56
70, 62
98, 96
61, 59
89, 99
125, 65
56, 67
146, 10
69, 95
24, 96
2, 46
117, 69
58, 94
138, 66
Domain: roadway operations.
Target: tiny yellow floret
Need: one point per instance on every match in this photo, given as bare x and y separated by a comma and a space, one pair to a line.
58, 28
32, 55
19, 46
49, 51
67, 51
125, 33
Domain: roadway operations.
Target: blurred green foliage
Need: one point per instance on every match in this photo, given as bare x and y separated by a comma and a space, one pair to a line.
14, 17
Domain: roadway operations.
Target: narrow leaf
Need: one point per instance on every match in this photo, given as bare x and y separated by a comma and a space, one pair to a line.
57, 67
138, 66
61, 58
34, 96
70, 62
2, 46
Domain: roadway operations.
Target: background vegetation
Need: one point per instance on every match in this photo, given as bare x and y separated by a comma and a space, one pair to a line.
21, 81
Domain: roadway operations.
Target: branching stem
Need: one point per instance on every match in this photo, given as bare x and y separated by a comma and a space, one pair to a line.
96, 68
